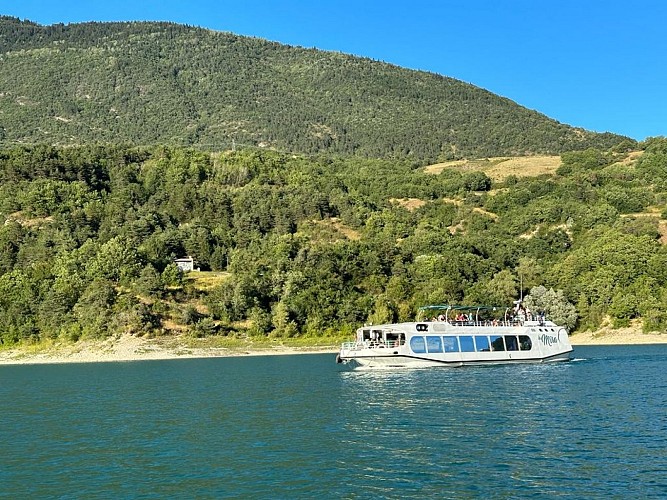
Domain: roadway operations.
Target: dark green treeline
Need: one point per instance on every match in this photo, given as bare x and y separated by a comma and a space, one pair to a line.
163, 83
314, 245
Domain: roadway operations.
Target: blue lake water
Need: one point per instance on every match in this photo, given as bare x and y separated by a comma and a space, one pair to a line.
299, 427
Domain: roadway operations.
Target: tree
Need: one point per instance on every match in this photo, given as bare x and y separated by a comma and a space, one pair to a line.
384, 311
554, 305
117, 259
476, 181
149, 282
498, 291
529, 272
94, 309
172, 275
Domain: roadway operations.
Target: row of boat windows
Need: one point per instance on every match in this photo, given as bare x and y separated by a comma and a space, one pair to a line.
470, 343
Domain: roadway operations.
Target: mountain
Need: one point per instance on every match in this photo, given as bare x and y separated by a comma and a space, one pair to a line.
162, 83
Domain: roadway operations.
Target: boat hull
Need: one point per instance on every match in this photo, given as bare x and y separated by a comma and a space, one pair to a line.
371, 362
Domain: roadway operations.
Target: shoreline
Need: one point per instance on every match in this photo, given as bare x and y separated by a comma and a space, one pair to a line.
126, 348
615, 337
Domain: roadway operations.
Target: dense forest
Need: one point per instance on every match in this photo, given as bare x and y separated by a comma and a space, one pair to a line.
312, 245
295, 178
160, 83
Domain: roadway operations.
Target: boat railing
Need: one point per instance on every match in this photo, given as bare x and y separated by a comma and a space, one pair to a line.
486, 323
479, 315
371, 344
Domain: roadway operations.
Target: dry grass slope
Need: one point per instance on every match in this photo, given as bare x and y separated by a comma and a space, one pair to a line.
328, 230
206, 280
498, 169
410, 204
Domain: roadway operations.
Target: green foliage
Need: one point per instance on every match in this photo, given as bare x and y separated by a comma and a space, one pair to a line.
501, 289
309, 245
618, 273
553, 304
149, 282
653, 163
626, 200
162, 83
590, 159
93, 310
172, 275
476, 181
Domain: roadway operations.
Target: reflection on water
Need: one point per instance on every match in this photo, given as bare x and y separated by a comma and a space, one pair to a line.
297, 426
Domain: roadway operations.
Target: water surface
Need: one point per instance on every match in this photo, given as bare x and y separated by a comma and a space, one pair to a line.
298, 427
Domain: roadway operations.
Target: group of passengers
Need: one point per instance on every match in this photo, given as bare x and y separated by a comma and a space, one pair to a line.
441, 317
519, 316
466, 319
459, 318
522, 314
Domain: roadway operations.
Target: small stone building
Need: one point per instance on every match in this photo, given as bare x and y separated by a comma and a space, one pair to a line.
185, 264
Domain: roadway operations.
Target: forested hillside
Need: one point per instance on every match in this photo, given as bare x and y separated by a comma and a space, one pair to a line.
314, 245
160, 83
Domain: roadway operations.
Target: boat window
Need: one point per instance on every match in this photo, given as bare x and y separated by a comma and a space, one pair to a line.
511, 343
467, 344
482, 343
434, 344
392, 338
366, 334
525, 343
497, 343
452, 344
417, 344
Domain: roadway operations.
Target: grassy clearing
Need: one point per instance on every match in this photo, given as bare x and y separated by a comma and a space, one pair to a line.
26, 221
410, 204
206, 280
328, 230
499, 168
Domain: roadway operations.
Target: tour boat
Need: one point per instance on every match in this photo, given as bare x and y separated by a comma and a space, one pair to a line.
458, 336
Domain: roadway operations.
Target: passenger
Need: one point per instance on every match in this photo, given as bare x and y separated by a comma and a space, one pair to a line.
441, 317
521, 316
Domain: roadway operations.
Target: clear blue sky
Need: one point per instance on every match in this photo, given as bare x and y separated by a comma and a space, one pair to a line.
597, 64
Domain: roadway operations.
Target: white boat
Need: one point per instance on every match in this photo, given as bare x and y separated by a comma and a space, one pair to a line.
458, 336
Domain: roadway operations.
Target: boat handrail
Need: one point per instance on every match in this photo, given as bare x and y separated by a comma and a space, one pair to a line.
372, 344
492, 323
510, 315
